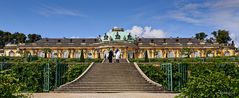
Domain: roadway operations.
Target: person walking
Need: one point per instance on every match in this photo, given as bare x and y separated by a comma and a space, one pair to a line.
117, 55
110, 56
106, 54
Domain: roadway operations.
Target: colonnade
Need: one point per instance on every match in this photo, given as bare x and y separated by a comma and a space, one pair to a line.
126, 52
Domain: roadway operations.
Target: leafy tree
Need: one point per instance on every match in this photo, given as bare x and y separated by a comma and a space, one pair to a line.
82, 59
221, 36
201, 36
5, 37
33, 38
8, 37
46, 51
19, 37
187, 52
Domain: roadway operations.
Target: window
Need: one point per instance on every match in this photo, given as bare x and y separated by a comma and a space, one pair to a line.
83, 41
59, 41
152, 40
71, 40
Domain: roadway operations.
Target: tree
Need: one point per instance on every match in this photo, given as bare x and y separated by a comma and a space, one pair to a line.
201, 36
15, 38
46, 51
221, 36
19, 37
146, 58
5, 37
82, 59
187, 52
33, 38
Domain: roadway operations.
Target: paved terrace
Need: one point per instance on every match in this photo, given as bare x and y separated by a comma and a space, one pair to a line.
103, 95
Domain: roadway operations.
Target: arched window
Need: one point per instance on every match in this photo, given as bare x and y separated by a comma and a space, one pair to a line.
53, 55
77, 55
130, 54
11, 53
90, 55
158, 54
210, 54
171, 54
41, 54
65, 54
227, 53
197, 54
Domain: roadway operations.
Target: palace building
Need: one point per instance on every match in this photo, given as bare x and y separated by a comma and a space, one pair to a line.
130, 46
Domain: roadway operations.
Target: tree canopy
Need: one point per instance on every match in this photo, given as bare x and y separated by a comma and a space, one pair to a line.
221, 36
17, 37
33, 38
201, 36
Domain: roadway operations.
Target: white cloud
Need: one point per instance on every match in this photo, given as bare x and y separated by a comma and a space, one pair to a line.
147, 31
221, 14
50, 10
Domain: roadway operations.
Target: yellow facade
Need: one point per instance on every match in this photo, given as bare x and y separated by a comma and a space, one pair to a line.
129, 45
98, 52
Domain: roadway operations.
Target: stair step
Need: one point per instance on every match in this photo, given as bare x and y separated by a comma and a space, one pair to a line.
127, 89
111, 77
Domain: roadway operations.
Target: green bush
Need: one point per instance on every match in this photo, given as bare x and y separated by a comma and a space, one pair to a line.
154, 73
9, 85
30, 74
74, 71
207, 59
211, 85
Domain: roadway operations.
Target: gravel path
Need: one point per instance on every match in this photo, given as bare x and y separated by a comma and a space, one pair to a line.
103, 95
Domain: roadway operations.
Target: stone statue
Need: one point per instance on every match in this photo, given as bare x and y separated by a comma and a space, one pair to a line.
111, 39
106, 37
117, 36
129, 37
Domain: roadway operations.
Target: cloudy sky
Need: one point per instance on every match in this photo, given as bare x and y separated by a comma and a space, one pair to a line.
146, 18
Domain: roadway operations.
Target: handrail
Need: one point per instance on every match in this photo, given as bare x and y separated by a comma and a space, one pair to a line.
88, 68
127, 60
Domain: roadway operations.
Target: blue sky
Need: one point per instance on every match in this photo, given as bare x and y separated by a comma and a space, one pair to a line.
148, 18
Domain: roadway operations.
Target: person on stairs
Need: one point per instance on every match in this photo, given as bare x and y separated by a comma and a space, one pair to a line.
110, 56
117, 55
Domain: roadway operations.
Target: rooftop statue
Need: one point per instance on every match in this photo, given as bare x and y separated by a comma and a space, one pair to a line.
106, 37
130, 37
117, 36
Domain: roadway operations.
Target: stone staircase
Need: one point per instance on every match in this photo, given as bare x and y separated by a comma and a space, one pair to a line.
110, 77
